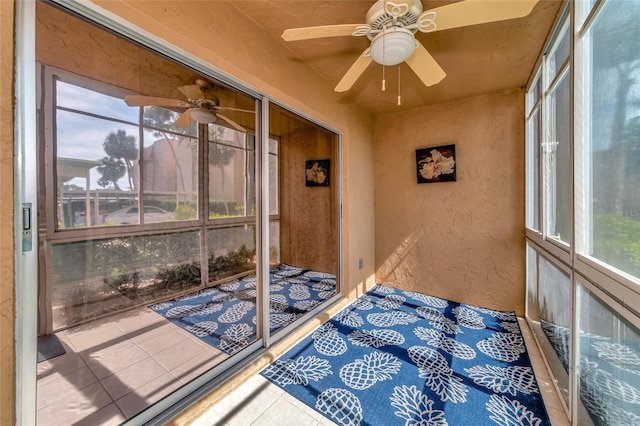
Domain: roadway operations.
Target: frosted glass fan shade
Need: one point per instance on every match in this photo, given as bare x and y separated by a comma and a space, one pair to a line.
392, 46
202, 115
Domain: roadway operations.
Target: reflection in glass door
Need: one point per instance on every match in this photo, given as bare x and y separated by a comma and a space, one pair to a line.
147, 225
303, 159
150, 245
609, 367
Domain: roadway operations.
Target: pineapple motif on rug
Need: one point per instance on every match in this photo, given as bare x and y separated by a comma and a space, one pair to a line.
401, 357
224, 316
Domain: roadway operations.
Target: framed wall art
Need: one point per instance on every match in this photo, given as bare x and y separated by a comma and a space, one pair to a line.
317, 172
436, 164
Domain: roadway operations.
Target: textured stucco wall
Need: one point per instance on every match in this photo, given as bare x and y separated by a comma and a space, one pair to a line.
461, 240
7, 246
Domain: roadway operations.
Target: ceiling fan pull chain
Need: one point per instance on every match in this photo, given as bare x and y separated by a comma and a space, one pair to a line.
399, 98
383, 79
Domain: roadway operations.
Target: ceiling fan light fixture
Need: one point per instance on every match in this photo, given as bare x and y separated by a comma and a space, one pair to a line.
392, 46
203, 116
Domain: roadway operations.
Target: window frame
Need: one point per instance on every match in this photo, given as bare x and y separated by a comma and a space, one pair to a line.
619, 285
549, 192
51, 75
617, 289
242, 219
566, 269
533, 169
549, 86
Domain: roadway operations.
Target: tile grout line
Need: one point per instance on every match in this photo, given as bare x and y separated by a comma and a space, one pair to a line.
100, 381
253, 422
76, 389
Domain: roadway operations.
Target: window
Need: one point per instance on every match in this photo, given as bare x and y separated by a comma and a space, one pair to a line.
556, 145
558, 163
548, 295
610, 149
274, 177
100, 159
169, 166
548, 143
94, 278
231, 159
533, 156
583, 256
609, 349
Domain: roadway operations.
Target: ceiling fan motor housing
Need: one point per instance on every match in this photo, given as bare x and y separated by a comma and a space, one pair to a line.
378, 18
391, 42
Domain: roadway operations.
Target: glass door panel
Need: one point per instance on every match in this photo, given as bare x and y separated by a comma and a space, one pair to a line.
303, 160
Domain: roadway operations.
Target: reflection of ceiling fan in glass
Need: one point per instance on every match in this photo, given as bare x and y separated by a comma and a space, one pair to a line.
203, 109
391, 27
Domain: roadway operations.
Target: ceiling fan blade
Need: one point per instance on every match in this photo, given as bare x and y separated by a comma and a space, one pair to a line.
191, 92
307, 33
356, 70
234, 109
425, 67
472, 12
140, 100
232, 123
184, 121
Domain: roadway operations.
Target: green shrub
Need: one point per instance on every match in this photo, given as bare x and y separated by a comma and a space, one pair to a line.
184, 212
180, 276
234, 262
218, 207
126, 284
616, 241
168, 205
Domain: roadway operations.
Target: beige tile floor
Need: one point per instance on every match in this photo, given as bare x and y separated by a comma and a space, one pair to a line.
118, 366
259, 402
115, 367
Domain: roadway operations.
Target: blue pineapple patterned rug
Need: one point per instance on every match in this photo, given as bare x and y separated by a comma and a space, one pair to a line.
224, 316
400, 357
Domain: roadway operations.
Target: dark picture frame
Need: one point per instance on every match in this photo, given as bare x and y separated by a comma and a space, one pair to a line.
317, 172
436, 164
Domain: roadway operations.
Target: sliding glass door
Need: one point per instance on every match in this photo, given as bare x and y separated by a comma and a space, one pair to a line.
184, 222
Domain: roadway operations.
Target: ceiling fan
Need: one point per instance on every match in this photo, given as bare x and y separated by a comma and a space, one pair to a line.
201, 108
391, 27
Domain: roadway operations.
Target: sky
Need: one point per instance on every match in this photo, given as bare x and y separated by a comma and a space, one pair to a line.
80, 136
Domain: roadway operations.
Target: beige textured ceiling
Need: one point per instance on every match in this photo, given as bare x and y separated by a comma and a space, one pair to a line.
478, 59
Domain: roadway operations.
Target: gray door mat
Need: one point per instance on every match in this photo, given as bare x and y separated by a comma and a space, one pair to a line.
49, 347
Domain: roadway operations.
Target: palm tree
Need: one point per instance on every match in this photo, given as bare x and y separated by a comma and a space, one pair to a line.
632, 136
615, 52
121, 146
111, 170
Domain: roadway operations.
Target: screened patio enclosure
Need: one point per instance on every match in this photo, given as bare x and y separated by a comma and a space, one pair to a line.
583, 211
